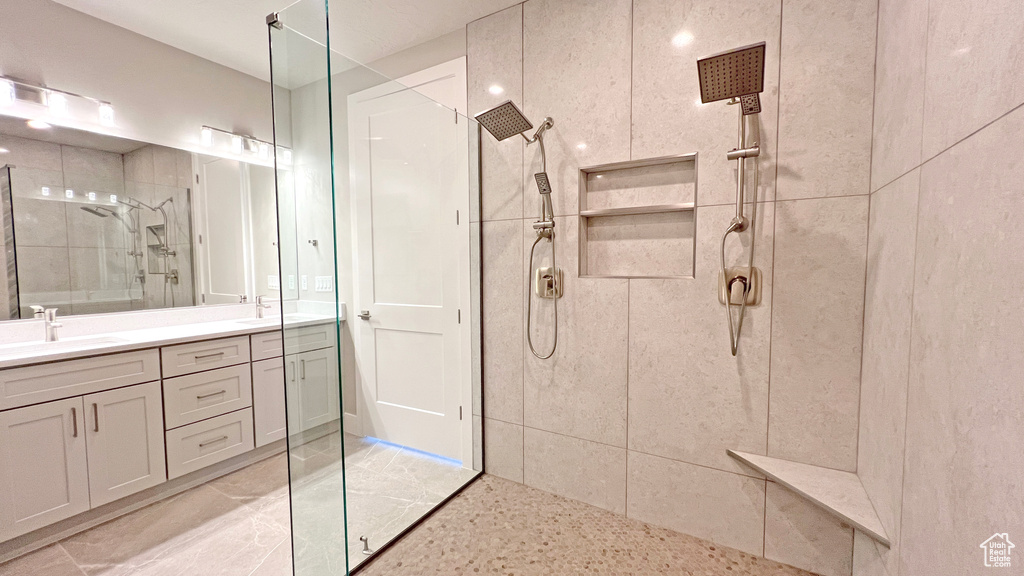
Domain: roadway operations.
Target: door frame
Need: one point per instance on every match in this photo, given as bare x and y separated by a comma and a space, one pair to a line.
419, 81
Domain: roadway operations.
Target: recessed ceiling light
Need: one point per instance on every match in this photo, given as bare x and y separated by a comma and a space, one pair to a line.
38, 124
4, 151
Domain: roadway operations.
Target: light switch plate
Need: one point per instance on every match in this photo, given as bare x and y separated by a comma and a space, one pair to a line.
304, 282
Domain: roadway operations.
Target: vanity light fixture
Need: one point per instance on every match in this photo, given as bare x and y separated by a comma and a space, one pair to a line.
113, 198
38, 124
242, 145
92, 196
69, 193
236, 144
51, 103
206, 135
45, 190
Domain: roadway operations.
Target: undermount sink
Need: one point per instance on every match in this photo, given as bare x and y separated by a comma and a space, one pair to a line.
33, 348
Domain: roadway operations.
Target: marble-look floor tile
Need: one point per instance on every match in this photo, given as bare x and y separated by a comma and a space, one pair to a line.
49, 561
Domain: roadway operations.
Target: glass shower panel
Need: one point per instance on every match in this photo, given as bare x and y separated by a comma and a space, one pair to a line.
391, 169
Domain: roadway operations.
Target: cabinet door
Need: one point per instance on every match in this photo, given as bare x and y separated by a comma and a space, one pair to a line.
268, 400
318, 387
125, 439
42, 466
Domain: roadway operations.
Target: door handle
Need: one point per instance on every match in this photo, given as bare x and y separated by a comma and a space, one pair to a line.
364, 315
96, 417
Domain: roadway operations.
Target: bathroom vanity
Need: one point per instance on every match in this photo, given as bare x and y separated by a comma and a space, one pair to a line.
86, 422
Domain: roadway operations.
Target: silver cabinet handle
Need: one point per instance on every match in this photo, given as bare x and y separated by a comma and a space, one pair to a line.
74, 423
211, 394
365, 314
293, 370
214, 441
302, 369
96, 417
205, 356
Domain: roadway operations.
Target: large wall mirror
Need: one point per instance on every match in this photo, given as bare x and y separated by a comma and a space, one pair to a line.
98, 224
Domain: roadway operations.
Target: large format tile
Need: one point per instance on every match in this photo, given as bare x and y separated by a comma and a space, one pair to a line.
689, 398
975, 67
88, 230
719, 506
581, 390
817, 320
578, 469
44, 276
825, 98
899, 89
503, 449
576, 69
802, 535
965, 401
885, 366
41, 222
28, 153
494, 59
139, 167
165, 166
667, 115
503, 284
87, 170
49, 561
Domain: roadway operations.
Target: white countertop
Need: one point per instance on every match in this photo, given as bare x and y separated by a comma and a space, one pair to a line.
37, 352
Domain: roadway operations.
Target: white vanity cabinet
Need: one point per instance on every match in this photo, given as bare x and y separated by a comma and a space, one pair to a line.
44, 477
124, 434
268, 400
316, 376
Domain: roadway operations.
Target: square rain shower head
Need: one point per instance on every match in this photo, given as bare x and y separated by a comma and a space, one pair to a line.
732, 74
504, 120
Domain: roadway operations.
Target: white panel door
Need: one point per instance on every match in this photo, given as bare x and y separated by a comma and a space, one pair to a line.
318, 391
125, 439
225, 252
268, 408
43, 473
410, 203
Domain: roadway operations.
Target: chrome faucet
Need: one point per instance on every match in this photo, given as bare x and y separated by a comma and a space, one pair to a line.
50, 320
261, 307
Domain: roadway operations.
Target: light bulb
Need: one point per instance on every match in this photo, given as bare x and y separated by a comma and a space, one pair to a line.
496, 90
45, 190
106, 114
286, 156
38, 124
207, 136
682, 39
92, 195
236, 144
7, 94
69, 193
4, 151
264, 150
58, 103
113, 198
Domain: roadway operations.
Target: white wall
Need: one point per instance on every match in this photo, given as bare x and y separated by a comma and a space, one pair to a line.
160, 94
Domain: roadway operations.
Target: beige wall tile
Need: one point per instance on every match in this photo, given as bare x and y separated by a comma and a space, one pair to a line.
800, 534
165, 166
28, 153
817, 321
576, 68
581, 390
887, 318
719, 506
667, 117
975, 67
87, 170
494, 46
964, 421
578, 469
871, 558
503, 284
689, 398
503, 449
825, 98
899, 89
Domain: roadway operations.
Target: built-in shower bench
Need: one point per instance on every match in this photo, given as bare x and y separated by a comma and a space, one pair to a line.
838, 493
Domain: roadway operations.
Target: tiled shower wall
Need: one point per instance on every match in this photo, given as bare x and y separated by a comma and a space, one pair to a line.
942, 406
636, 409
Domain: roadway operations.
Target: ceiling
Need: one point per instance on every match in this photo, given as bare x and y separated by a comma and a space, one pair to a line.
11, 126
234, 32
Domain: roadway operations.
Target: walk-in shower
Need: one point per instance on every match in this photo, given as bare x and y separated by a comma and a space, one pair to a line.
738, 76
503, 122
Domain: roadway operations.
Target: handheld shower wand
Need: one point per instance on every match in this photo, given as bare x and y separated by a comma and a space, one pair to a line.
505, 121
737, 76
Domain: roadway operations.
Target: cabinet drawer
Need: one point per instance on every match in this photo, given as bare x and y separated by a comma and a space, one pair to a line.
207, 355
306, 338
47, 382
199, 445
266, 345
196, 397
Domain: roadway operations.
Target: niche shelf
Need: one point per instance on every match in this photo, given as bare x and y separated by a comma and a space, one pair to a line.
637, 218
839, 493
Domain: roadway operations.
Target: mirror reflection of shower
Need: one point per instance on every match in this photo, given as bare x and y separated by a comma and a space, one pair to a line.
738, 76
505, 121
159, 257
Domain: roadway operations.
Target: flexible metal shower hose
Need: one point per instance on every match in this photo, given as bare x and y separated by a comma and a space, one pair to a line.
529, 298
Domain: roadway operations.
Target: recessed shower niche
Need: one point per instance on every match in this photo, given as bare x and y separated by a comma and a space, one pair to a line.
637, 218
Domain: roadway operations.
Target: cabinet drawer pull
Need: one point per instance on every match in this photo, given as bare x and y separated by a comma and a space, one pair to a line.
74, 423
214, 441
293, 370
207, 356
96, 417
211, 394
302, 369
